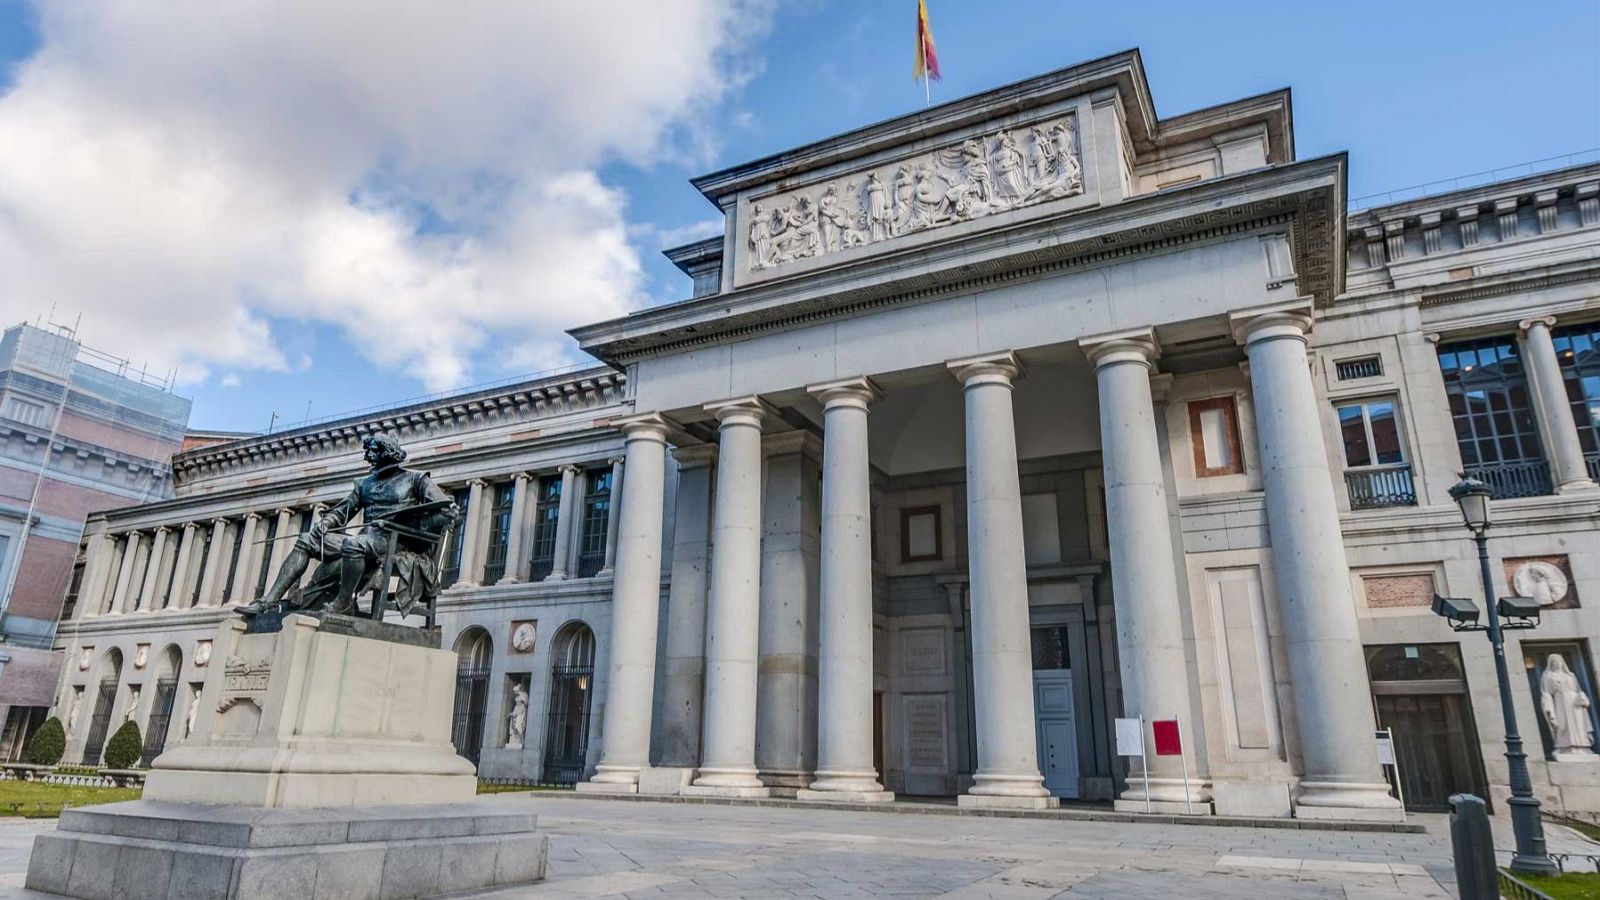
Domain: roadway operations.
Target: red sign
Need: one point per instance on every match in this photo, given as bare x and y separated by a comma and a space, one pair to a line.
1166, 734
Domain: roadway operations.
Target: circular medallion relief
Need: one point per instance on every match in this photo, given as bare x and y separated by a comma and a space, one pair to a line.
141, 656
1541, 581
522, 637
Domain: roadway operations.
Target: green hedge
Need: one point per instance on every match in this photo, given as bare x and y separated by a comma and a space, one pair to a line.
125, 747
49, 743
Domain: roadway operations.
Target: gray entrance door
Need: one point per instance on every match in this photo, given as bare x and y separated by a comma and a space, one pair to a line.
1057, 732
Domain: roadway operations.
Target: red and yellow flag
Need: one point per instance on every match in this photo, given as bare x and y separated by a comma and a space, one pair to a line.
927, 65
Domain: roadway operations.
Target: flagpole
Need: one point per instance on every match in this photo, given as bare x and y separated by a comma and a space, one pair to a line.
927, 93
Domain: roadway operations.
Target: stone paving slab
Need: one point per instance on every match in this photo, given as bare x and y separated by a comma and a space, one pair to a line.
600, 848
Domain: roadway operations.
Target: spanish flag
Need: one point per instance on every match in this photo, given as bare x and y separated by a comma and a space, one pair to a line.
927, 65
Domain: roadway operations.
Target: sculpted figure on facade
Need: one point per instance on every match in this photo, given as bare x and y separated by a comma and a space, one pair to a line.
391, 499
979, 176
517, 721
1566, 711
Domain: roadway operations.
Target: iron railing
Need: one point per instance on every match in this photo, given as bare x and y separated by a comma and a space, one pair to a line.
472, 700
155, 735
1508, 480
566, 742
100, 723
1376, 488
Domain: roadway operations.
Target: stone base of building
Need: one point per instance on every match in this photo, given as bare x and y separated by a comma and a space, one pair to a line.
665, 779
1003, 801
1252, 800
1165, 807
1349, 814
605, 787
155, 850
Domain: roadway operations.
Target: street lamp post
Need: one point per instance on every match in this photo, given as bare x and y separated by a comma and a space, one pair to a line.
1530, 857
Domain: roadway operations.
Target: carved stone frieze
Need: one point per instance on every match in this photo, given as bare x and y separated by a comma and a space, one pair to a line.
1007, 169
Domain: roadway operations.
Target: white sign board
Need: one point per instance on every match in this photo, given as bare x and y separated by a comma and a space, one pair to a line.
1130, 737
1385, 749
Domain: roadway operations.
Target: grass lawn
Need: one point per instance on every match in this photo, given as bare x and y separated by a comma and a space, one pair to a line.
36, 800
1574, 886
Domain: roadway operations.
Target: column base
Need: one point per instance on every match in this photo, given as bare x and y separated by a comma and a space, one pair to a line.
1581, 486
1166, 789
1350, 801
611, 780
509, 579
739, 782
1004, 801
665, 780
846, 787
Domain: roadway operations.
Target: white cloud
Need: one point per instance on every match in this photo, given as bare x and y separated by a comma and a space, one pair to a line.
422, 175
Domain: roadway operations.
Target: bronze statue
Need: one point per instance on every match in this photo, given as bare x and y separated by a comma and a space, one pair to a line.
401, 509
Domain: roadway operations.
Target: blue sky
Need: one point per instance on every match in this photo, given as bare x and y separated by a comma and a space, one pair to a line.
1415, 92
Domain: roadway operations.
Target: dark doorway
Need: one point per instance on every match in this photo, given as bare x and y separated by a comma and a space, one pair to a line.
566, 742
474, 655
1420, 692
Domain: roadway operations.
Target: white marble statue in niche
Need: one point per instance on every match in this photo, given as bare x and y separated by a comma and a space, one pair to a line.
193, 714
517, 719
1566, 711
1005, 170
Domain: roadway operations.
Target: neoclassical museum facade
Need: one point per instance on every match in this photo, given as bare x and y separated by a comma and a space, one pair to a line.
984, 427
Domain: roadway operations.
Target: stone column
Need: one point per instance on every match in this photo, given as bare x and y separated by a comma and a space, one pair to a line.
210, 579
636, 604
559, 565
617, 467
152, 570
1333, 703
1002, 659
728, 752
786, 655
516, 553
283, 542
96, 577
181, 579
244, 580
1567, 468
844, 663
472, 535
1149, 603
686, 608
120, 596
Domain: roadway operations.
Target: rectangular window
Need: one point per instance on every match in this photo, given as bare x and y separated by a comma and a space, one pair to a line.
1493, 415
1376, 473
596, 521
494, 566
451, 571
921, 534
1364, 367
1214, 437
545, 514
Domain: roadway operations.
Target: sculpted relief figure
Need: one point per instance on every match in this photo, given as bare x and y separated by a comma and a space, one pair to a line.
517, 721
349, 564
1566, 710
980, 175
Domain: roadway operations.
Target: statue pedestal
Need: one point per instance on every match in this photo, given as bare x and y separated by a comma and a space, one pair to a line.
316, 755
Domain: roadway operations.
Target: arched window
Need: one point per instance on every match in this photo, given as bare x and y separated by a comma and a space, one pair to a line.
105, 701
155, 732
474, 657
566, 745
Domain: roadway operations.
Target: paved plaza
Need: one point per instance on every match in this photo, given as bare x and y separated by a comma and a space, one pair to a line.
610, 848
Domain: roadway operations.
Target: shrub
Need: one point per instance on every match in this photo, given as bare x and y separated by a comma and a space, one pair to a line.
48, 744
125, 747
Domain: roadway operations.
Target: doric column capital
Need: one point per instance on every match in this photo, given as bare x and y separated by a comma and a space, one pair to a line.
645, 427
749, 410
1133, 345
988, 368
1280, 320
1531, 321
856, 392
695, 456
